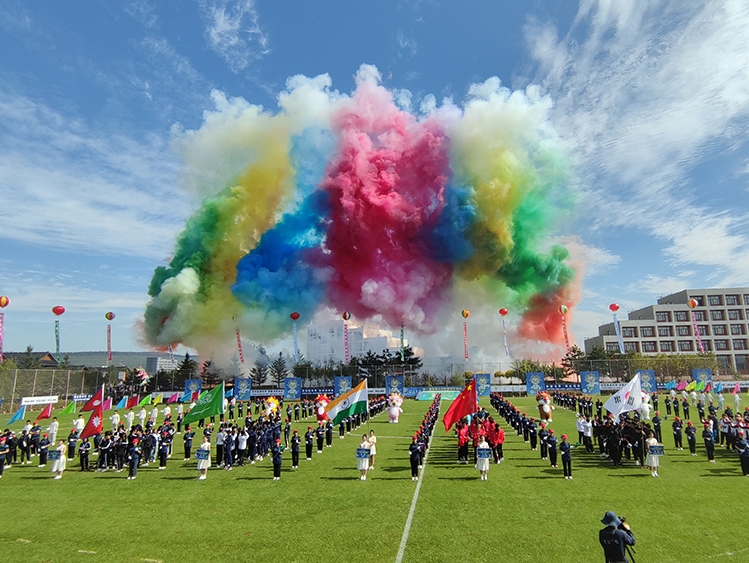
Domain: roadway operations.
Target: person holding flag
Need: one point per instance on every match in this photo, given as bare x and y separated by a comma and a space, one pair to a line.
628, 398
465, 404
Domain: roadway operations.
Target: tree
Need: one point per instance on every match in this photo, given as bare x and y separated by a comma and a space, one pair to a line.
29, 359
210, 374
65, 363
571, 361
187, 368
278, 370
259, 372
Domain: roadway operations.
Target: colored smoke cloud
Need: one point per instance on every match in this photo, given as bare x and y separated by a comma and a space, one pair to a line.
351, 203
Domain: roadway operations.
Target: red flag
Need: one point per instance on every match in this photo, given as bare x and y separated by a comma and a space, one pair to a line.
46, 413
195, 395
463, 405
132, 402
173, 399
95, 424
94, 401
708, 387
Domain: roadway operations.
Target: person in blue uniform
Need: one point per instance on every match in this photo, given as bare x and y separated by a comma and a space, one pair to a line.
320, 435
414, 453
657, 427
709, 439
565, 448
677, 426
133, 457
287, 432
309, 438
742, 447
43, 450
691, 433
551, 444
329, 433
296, 442
615, 538
4, 451
83, 453
685, 409
277, 458
188, 437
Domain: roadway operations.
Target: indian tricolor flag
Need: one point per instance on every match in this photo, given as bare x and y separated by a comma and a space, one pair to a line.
348, 404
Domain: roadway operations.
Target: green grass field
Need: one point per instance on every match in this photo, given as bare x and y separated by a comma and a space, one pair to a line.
526, 511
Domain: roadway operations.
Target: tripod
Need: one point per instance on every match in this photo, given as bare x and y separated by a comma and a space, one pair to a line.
631, 552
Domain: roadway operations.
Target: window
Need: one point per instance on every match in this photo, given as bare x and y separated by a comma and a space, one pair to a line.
715, 300
721, 344
647, 331
734, 314
742, 363
663, 317
629, 332
732, 300
746, 299
612, 347
700, 300
739, 343
738, 329
665, 331
681, 316
699, 315
724, 362
630, 347
649, 347
707, 345
719, 330
685, 345
703, 330
717, 315
682, 331
667, 346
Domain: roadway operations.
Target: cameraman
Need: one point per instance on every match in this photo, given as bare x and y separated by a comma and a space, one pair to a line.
615, 538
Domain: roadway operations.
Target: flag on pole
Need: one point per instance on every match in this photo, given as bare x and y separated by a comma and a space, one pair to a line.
628, 398
145, 401
700, 386
719, 387
353, 402
173, 399
70, 409
736, 389
464, 404
95, 424
46, 412
691, 386
158, 398
132, 402
107, 405
20, 413
708, 386
681, 385
122, 404
671, 384
94, 401
210, 404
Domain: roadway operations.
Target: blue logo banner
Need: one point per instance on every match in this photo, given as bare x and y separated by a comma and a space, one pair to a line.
395, 384
647, 380
590, 382
201, 454
242, 388
534, 382
362, 453
702, 375
292, 388
484, 453
342, 385
193, 386
483, 384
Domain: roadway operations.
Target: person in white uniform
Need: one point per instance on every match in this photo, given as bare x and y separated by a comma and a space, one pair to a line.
204, 464
652, 461
59, 465
363, 462
482, 463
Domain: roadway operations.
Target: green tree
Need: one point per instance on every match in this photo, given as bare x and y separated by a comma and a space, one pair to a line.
278, 370
65, 363
29, 359
187, 368
259, 371
210, 373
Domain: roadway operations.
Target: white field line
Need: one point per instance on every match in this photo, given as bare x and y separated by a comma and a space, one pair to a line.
409, 520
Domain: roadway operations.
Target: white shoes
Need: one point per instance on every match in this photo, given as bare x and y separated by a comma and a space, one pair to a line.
363, 477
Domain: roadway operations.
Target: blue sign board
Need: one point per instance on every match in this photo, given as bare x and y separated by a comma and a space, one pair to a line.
242, 388
705, 375
395, 384
590, 382
655, 450
534, 382
193, 386
484, 453
647, 380
483, 384
201, 454
342, 385
362, 453
292, 388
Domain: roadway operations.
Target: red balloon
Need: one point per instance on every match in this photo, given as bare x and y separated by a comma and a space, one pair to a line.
58, 310
4, 301
614, 307
295, 316
503, 312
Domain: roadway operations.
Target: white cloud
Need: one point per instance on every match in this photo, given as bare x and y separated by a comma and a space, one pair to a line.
659, 286
233, 31
644, 92
65, 185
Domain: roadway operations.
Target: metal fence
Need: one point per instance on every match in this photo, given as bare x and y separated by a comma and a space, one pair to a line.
19, 383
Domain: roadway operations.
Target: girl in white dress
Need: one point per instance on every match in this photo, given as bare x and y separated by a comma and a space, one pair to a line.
482, 464
652, 461
59, 464
372, 448
204, 464
363, 462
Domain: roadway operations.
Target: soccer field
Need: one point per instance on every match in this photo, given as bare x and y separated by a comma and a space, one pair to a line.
526, 511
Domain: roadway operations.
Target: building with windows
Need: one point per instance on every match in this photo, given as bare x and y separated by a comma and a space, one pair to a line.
155, 364
326, 342
720, 318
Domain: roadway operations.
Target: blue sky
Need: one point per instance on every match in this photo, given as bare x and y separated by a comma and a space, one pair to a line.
651, 98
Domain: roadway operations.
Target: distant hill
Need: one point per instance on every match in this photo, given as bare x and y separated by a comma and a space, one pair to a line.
119, 359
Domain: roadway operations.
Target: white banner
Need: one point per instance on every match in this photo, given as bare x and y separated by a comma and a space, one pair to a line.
508, 388
376, 391
40, 400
